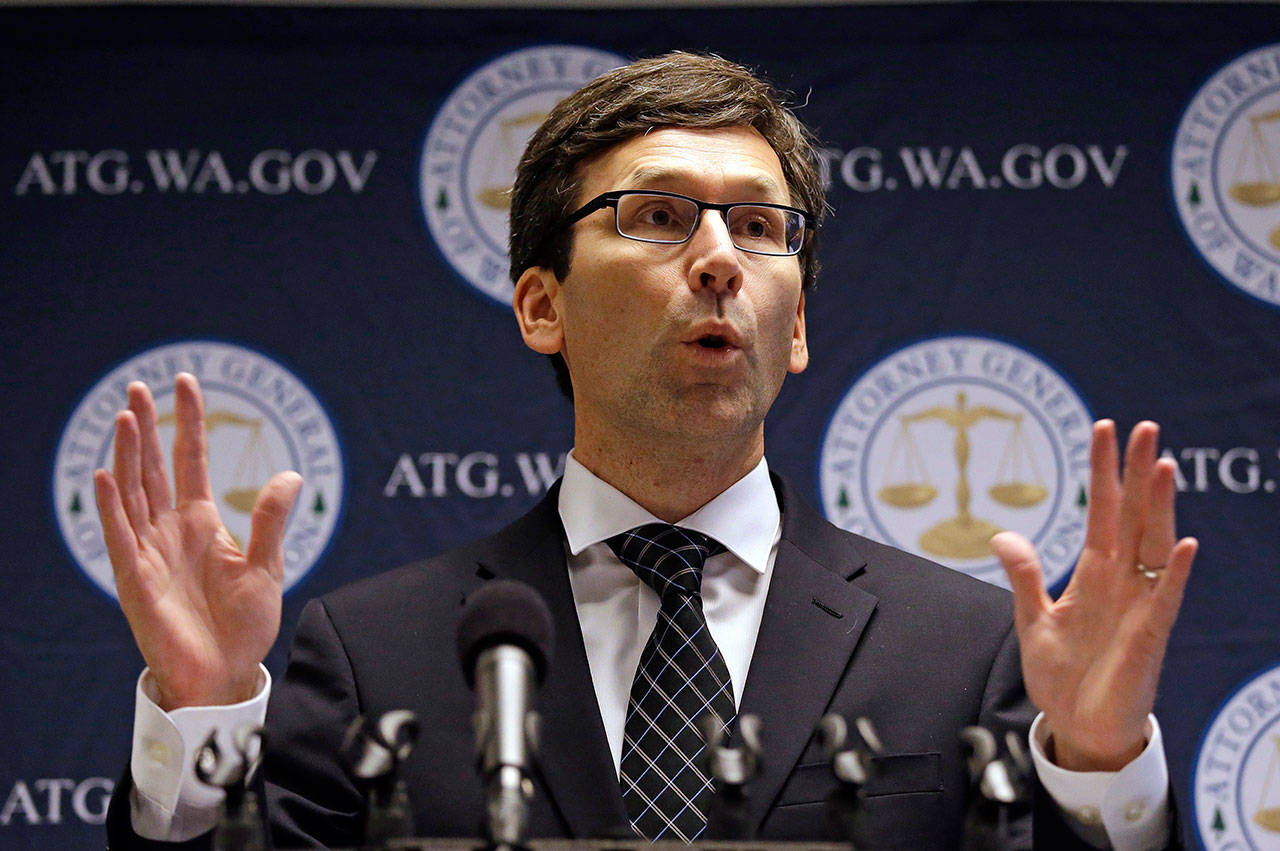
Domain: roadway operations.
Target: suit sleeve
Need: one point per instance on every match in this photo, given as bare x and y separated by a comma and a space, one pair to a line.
310, 797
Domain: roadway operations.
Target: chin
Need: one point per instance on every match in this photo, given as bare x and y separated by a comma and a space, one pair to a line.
718, 412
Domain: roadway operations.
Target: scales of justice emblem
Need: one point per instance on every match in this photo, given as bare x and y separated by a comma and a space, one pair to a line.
943, 443
497, 170
1255, 179
1236, 780
475, 141
1225, 170
1266, 814
963, 536
254, 460
259, 419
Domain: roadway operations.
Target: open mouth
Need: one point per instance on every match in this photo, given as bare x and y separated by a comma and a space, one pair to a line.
711, 341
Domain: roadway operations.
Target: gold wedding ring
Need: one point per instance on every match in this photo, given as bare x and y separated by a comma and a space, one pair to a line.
1150, 572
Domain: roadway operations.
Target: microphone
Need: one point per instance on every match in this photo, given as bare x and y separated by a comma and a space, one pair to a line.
1000, 791
373, 754
504, 644
853, 763
239, 826
732, 768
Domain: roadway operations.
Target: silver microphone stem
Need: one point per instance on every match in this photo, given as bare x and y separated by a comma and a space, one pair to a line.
504, 686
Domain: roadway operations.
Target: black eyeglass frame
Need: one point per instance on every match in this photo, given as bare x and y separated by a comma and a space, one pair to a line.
611, 199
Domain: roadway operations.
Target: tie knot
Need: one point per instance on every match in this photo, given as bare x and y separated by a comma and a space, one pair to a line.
669, 559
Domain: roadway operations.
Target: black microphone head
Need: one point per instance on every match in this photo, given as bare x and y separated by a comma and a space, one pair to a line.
503, 611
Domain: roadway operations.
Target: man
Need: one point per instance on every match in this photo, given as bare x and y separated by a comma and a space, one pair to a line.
663, 224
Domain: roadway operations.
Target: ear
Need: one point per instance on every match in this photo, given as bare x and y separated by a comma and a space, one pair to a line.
799, 346
537, 307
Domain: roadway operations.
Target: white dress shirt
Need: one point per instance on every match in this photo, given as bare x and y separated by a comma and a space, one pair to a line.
1126, 810
618, 612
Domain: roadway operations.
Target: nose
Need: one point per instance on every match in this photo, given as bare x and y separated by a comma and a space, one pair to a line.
715, 261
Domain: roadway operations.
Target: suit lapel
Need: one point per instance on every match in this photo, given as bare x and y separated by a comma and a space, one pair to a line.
813, 619
812, 622
573, 752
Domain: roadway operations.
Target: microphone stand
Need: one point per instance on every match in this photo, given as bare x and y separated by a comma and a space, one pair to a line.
505, 743
505, 636
731, 769
853, 764
239, 826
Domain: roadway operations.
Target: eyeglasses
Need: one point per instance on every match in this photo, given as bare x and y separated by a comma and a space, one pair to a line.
668, 218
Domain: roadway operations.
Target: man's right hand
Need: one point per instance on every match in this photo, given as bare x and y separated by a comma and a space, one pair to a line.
204, 613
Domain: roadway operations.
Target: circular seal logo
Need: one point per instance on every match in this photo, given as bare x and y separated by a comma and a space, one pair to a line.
1226, 172
1236, 782
470, 154
945, 442
260, 419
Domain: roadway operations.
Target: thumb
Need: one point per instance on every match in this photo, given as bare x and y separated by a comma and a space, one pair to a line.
270, 514
1022, 566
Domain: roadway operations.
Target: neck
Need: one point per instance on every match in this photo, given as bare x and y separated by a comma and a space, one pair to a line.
671, 482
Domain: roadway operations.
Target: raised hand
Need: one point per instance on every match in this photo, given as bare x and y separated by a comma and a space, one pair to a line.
1091, 660
203, 613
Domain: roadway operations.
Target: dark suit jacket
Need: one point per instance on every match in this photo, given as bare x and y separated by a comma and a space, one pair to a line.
849, 626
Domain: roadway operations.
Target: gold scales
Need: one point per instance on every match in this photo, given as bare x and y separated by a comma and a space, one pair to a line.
253, 465
1269, 817
514, 134
1262, 188
964, 535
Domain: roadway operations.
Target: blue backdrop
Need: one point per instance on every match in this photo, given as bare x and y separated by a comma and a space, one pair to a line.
1051, 211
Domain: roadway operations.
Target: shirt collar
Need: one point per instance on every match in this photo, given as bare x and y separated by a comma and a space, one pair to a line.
744, 517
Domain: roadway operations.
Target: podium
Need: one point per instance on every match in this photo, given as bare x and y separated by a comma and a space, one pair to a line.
636, 844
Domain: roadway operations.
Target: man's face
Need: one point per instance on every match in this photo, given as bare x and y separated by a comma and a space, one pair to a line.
674, 341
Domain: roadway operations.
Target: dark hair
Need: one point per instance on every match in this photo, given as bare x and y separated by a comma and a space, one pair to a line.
673, 90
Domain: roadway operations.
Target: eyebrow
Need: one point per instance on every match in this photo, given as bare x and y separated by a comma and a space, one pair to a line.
657, 176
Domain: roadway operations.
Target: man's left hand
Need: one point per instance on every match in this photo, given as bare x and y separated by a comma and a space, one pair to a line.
1091, 659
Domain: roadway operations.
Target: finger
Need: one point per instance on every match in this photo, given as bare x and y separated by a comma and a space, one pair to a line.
1159, 529
154, 480
128, 473
1102, 524
1022, 566
190, 445
122, 546
1135, 490
267, 524
1172, 582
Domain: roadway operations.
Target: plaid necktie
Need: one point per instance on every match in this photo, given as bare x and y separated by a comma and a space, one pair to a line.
681, 677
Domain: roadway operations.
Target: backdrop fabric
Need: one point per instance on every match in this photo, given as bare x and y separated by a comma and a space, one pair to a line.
1039, 214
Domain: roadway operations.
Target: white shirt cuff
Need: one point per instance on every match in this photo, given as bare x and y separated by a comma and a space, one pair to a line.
168, 802
1126, 809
